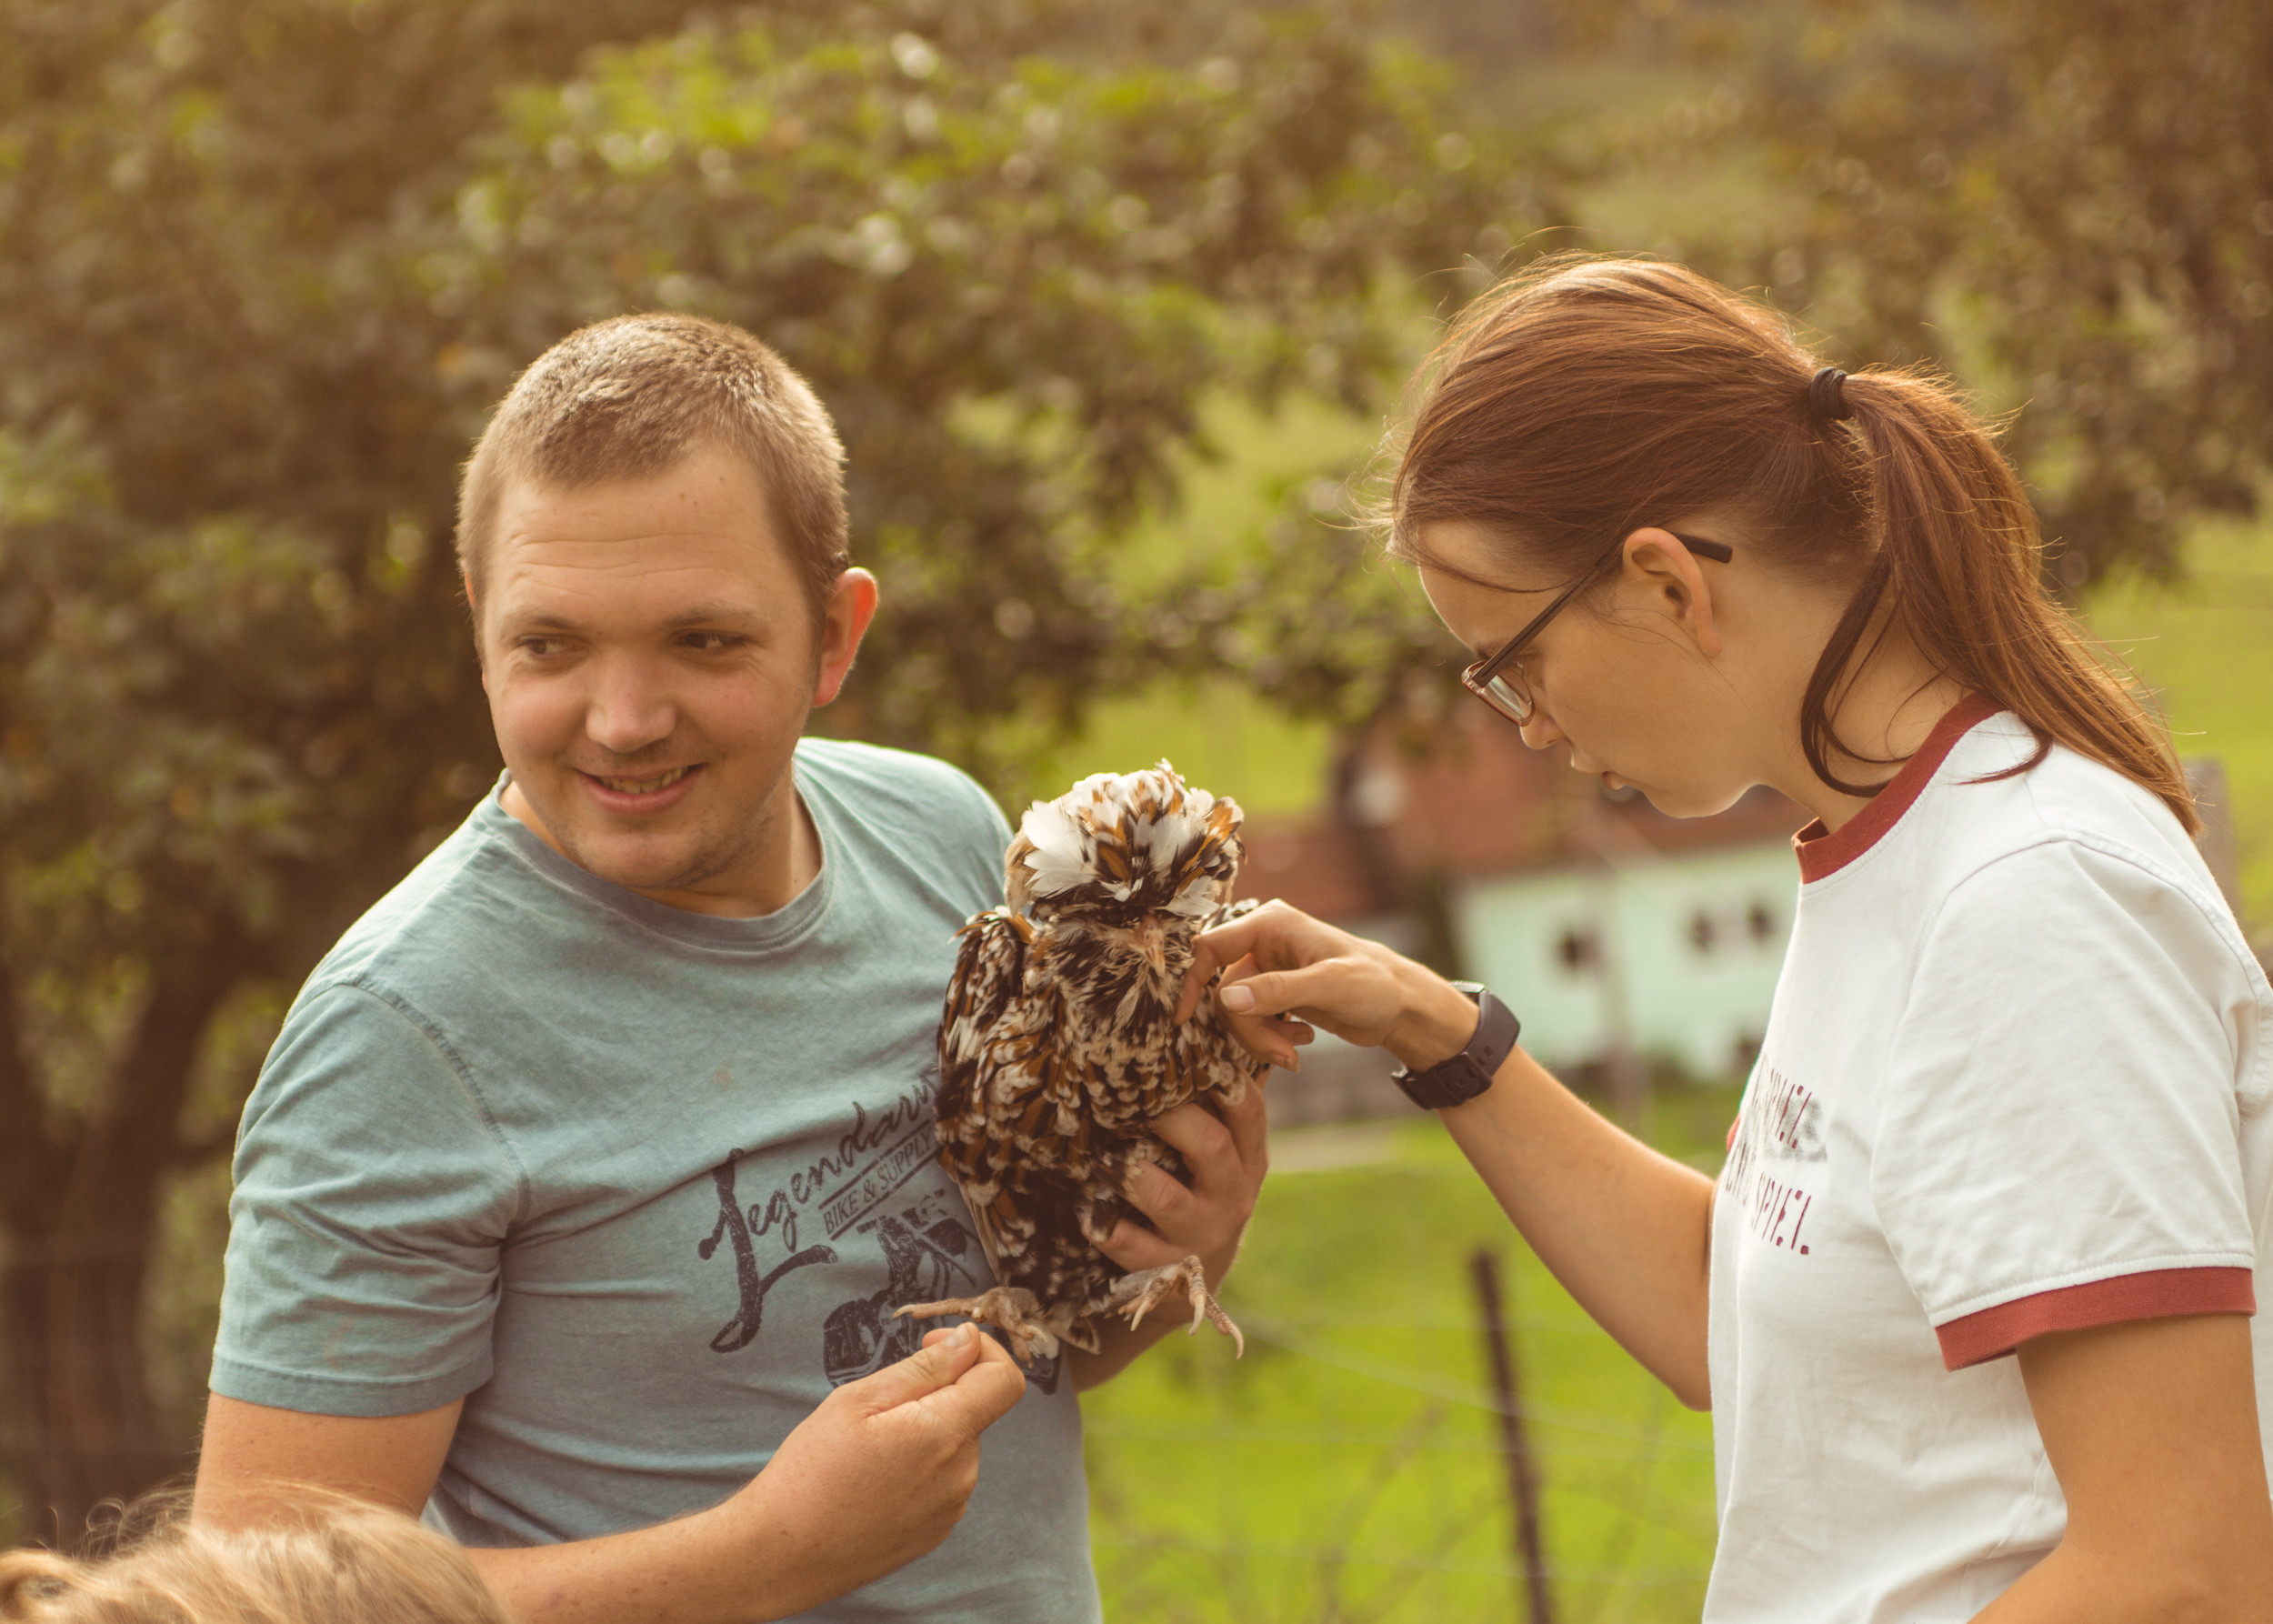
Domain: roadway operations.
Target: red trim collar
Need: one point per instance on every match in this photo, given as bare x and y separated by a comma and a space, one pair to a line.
1822, 852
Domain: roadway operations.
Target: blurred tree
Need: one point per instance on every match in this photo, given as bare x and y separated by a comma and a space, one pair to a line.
2068, 201
267, 262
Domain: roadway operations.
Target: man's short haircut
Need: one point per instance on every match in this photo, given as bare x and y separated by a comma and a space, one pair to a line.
633, 396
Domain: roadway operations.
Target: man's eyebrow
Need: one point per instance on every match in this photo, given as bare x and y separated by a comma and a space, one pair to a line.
712, 614
718, 613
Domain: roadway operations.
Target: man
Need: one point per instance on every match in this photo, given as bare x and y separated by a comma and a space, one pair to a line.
574, 1199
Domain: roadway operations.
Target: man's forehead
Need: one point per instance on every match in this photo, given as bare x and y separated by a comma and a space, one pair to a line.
623, 581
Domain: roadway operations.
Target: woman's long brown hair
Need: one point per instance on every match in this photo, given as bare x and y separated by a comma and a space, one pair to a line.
1584, 398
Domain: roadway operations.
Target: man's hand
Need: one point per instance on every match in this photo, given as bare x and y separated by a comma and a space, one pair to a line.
1224, 1157
874, 1478
879, 1474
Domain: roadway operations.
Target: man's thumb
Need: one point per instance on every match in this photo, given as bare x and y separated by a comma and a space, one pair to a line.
921, 1373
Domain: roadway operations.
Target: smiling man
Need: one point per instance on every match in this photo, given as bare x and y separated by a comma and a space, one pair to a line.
575, 1197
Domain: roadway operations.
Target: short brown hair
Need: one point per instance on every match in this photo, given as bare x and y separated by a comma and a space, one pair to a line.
631, 396
1586, 396
338, 1560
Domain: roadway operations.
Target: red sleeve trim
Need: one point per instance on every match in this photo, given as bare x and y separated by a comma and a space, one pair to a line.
1822, 852
2156, 1294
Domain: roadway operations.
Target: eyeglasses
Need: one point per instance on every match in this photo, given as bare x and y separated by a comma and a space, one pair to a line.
1498, 681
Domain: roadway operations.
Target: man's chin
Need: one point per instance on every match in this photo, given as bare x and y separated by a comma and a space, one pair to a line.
649, 861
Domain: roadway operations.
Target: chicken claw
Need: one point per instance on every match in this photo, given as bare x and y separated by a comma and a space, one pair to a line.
1134, 1295
1011, 1309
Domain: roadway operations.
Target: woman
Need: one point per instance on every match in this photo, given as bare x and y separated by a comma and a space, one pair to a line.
2012, 1097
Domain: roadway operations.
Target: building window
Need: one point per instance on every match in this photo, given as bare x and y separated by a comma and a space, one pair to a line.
1577, 949
1702, 931
1760, 920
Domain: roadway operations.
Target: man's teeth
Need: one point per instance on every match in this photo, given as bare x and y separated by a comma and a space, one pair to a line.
644, 786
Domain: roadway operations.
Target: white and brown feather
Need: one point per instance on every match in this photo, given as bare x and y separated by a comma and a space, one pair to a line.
1058, 1044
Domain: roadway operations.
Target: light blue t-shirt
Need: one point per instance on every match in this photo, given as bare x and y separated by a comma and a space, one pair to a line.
641, 1186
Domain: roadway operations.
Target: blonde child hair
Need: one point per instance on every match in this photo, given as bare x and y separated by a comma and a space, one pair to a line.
338, 1561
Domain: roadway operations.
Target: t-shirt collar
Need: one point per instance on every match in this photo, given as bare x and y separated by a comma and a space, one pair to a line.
784, 927
1823, 853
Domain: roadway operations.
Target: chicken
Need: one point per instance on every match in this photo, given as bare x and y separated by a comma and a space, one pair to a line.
1059, 1048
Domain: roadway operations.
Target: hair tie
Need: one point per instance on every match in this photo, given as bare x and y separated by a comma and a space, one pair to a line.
1827, 398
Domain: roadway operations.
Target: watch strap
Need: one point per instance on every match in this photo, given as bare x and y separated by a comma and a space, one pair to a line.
1468, 1073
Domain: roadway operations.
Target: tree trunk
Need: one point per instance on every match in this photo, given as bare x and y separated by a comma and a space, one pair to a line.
79, 1244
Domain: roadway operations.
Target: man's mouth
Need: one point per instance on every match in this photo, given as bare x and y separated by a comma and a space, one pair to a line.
649, 785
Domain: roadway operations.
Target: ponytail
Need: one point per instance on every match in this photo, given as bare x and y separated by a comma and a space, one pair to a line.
1957, 554
1586, 396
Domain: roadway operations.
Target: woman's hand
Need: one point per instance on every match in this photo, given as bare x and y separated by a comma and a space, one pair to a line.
1285, 972
1624, 1228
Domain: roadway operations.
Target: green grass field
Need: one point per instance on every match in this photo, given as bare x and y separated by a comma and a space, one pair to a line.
1348, 1468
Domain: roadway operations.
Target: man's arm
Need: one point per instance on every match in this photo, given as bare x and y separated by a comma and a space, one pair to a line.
2151, 1428
1225, 1155
873, 1478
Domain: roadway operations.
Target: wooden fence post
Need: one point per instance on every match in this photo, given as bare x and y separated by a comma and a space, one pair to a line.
1522, 1478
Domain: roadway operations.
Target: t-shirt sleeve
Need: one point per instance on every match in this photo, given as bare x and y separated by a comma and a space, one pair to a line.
373, 1197
984, 839
2058, 1143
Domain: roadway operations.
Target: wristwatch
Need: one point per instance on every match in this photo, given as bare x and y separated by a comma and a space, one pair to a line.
1468, 1073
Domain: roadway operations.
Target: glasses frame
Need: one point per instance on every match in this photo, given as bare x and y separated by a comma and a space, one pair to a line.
1485, 678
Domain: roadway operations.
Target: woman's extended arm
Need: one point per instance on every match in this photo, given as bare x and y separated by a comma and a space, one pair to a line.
1625, 1229
2151, 1428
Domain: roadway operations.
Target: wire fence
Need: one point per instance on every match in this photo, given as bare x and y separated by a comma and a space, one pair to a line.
1351, 1470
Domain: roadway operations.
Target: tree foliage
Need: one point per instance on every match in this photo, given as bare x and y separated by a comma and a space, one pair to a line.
2070, 200
267, 262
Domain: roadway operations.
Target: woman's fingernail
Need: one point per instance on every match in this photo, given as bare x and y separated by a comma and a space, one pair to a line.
1238, 999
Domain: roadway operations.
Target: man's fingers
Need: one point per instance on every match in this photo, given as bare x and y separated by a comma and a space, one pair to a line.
1249, 1125
986, 1391
1135, 1248
1160, 1195
1205, 1141
935, 1366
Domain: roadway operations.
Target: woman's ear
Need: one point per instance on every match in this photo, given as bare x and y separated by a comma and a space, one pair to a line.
1669, 573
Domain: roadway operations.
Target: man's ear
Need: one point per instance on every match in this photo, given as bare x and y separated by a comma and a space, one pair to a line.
852, 604
1669, 572
474, 613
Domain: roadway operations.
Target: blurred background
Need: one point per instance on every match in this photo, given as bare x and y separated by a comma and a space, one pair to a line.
1113, 304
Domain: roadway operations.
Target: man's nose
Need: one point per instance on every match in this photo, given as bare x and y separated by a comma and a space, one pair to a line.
631, 707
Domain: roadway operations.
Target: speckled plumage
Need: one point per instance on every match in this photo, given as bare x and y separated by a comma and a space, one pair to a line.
1058, 1045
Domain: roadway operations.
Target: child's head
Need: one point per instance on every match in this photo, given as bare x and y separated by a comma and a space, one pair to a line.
341, 1563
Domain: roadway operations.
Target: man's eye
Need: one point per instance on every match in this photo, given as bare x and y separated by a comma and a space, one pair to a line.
711, 641
542, 648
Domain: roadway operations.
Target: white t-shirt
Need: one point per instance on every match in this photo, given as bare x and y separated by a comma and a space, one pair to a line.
2016, 1080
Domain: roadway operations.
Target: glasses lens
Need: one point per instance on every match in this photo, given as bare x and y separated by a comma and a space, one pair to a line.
1505, 693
